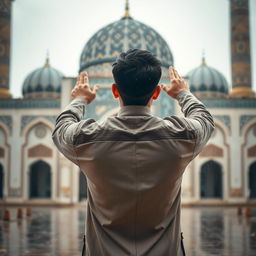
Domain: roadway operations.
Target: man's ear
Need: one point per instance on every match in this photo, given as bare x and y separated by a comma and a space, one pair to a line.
156, 92
115, 91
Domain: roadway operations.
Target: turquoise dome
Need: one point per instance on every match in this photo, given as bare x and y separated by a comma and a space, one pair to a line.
207, 81
44, 82
122, 35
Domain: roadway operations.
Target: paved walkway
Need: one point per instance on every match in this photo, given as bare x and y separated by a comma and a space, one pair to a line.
59, 231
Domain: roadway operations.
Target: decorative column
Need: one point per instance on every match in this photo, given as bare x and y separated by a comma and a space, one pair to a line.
5, 34
240, 50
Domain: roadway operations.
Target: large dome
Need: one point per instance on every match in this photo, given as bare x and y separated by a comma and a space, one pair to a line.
44, 82
207, 82
122, 35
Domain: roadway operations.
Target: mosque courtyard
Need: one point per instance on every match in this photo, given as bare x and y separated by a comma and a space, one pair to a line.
59, 231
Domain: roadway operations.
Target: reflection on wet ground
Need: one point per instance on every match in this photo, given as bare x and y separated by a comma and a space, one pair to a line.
59, 231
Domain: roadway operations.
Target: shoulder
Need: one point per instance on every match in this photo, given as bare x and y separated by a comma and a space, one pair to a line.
180, 127
87, 131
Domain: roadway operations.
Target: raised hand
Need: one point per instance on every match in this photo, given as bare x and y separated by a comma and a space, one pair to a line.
83, 90
177, 84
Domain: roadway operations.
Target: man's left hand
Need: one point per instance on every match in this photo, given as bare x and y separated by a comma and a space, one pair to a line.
83, 90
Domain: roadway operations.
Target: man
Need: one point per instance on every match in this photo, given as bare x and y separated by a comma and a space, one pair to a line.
133, 161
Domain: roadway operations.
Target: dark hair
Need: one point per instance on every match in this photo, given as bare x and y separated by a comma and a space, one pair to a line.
136, 74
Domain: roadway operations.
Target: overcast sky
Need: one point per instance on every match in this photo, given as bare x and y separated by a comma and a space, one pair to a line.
64, 27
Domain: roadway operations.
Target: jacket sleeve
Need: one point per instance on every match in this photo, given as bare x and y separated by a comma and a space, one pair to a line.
68, 124
197, 119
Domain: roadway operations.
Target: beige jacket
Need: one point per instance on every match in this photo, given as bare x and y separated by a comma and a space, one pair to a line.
134, 164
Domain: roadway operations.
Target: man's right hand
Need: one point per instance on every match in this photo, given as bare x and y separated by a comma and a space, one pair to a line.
177, 84
83, 90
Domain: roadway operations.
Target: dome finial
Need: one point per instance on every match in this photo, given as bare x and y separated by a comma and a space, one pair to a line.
47, 61
203, 58
127, 10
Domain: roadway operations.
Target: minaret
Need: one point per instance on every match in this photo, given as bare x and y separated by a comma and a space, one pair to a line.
5, 34
240, 50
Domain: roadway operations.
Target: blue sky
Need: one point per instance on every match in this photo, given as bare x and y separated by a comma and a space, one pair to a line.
63, 27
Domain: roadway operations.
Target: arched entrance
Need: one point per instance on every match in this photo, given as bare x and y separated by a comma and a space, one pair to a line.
211, 180
1, 181
252, 180
82, 187
40, 180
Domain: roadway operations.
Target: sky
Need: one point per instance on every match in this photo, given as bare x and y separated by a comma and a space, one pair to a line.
63, 27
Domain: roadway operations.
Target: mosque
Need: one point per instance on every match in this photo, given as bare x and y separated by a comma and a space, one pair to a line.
32, 171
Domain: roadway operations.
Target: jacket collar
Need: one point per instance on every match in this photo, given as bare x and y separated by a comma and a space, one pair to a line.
134, 111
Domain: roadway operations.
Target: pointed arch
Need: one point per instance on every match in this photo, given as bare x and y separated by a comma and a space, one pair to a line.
211, 180
223, 128
1, 181
222, 158
248, 153
40, 180
252, 180
244, 131
6, 157
25, 169
35, 122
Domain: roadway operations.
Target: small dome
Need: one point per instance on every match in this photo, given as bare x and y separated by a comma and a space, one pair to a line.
122, 35
44, 82
207, 82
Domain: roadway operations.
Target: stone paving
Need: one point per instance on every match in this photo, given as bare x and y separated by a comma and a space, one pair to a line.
59, 231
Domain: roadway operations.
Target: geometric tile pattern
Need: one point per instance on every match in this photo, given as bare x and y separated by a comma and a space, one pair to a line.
225, 119
244, 119
207, 79
7, 120
122, 35
44, 79
27, 119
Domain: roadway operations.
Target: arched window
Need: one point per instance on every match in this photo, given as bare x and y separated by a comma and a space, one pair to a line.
82, 187
1, 181
252, 180
211, 180
40, 180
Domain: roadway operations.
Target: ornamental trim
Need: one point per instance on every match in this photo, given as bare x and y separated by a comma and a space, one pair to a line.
244, 119
25, 120
7, 120
225, 119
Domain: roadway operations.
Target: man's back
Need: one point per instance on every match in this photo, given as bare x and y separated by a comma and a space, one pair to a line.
134, 164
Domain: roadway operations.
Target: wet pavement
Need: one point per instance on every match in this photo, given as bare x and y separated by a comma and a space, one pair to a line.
59, 231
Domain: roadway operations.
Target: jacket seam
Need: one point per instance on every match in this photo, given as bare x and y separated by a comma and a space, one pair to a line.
136, 207
76, 156
193, 155
135, 140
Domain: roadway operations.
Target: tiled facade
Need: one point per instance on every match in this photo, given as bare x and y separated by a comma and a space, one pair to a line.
33, 171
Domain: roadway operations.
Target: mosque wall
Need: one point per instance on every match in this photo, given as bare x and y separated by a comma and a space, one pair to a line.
187, 185
4, 160
68, 182
216, 150
232, 147
248, 152
32, 170
25, 140
25, 136
38, 146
